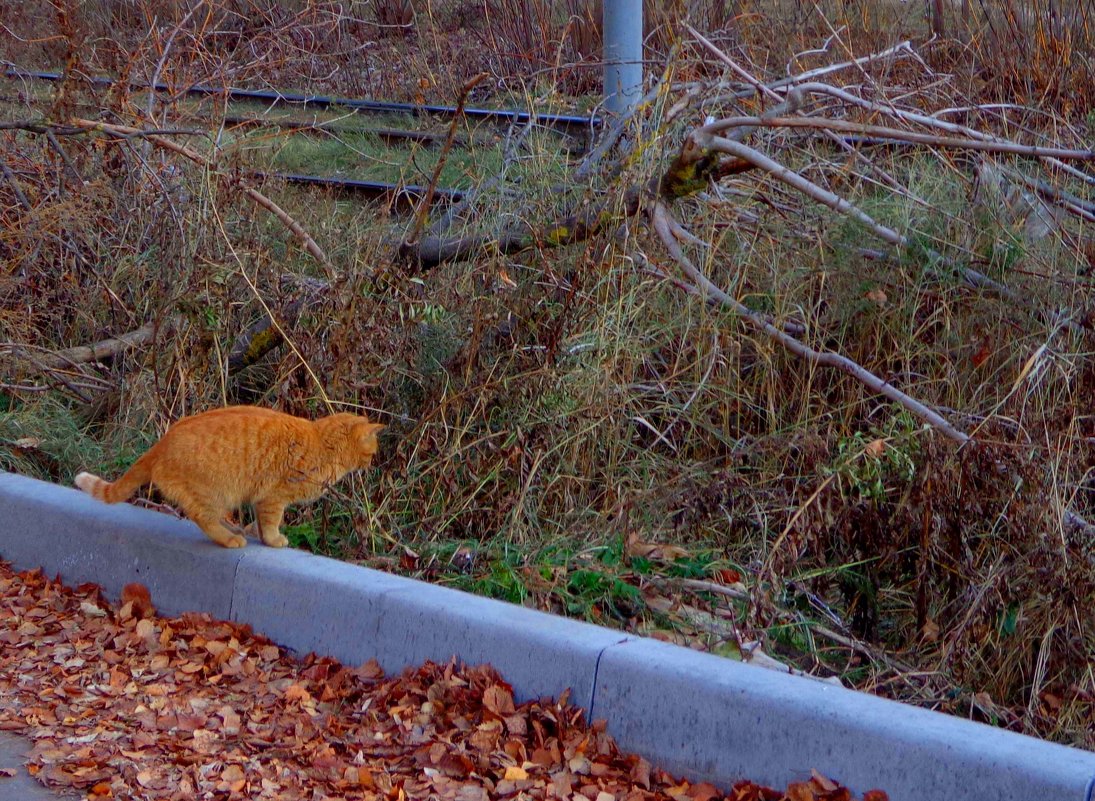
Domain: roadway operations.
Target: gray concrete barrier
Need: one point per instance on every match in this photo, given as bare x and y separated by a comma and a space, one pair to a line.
697, 715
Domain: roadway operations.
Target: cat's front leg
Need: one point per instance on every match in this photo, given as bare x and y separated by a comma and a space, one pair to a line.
268, 515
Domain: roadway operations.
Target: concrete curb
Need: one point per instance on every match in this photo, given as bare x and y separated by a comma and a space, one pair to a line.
694, 714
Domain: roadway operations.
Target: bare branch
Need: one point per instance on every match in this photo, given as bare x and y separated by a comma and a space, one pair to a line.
424, 208
837, 203
664, 224
819, 123
927, 121
104, 349
9, 176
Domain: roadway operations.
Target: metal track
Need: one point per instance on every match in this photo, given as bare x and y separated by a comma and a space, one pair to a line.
567, 122
400, 193
390, 135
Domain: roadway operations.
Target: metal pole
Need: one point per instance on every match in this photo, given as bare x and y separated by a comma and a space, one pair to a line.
623, 54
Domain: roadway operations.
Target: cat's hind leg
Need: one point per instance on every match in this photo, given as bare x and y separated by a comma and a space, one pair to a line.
248, 531
208, 518
218, 532
211, 522
268, 515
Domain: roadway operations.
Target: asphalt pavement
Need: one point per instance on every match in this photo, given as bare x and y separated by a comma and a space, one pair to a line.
21, 786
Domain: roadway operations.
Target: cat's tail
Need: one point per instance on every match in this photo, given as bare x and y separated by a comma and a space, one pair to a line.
116, 491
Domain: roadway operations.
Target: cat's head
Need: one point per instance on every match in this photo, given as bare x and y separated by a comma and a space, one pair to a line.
354, 435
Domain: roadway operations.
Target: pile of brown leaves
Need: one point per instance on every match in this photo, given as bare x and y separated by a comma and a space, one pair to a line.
124, 704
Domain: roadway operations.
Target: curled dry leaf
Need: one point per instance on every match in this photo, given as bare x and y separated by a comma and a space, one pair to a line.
875, 448
653, 550
91, 609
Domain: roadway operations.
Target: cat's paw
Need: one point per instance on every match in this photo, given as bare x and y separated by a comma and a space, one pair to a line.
235, 541
279, 540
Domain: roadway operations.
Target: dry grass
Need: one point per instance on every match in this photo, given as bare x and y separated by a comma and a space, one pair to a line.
556, 416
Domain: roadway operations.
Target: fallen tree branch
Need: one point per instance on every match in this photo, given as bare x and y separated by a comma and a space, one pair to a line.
46, 128
927, 121
896, 134
789, 326
576, 227
262, 336
40, 127
105, 349
706, 139
13, 182
664, 225
904, 47
691, 171
60, 368
837, 203
1071, 203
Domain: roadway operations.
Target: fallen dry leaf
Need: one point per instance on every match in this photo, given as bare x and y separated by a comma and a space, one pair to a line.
141, 600
656, 551
91, 609
704, 792
138, 706
498, 699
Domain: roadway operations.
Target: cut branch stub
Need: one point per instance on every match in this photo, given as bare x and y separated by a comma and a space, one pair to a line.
264, 335
690, 171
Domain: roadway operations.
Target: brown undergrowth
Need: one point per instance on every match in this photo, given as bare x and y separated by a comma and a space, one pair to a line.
567, 429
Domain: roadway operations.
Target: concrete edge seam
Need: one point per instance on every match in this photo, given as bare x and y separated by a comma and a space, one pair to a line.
592, 705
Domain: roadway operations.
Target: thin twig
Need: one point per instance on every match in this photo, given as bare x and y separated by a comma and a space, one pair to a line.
901, 48
75, 173
424, 209
9, 176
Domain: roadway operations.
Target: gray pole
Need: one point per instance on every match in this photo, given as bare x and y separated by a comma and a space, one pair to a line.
623, 33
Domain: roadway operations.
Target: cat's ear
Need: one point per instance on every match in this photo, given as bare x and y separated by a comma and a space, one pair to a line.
365, 428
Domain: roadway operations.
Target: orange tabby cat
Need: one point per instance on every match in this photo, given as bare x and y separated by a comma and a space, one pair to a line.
213, 463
